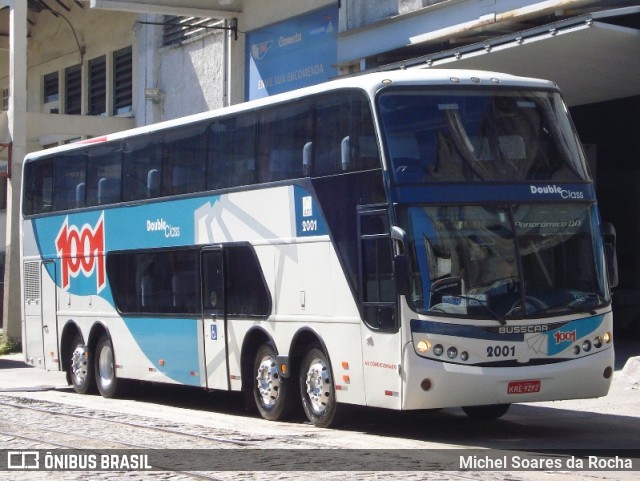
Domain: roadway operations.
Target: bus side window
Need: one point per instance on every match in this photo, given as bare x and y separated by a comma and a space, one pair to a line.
104, 175
142, 156
344, 122
332, 126
232, 152
39, 187
184, 159
284, 133
69, 173
243, 274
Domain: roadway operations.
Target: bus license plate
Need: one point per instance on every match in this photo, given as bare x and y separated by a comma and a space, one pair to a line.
523, 387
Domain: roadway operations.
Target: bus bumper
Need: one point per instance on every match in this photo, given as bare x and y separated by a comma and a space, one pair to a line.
432, 384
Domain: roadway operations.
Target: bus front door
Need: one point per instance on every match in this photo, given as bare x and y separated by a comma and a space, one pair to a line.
214, 319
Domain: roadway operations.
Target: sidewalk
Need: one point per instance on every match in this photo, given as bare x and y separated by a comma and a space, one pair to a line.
16, 375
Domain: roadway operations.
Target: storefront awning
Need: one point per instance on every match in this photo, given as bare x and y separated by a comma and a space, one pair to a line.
197, 8
591, 60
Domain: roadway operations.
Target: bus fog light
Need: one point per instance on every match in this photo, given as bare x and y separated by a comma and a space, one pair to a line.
586, 346
597, 342
452, 353
607, 373
426, 384
576, 350
464, 355
438, 349
423, 346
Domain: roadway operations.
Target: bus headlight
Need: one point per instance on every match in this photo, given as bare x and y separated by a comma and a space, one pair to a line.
452, 353
423, 346
438, 349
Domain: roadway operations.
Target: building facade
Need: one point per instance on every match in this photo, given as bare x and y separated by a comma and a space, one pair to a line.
73, 69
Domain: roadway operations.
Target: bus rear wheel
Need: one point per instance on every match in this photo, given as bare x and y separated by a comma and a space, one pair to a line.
80, 366
270, 390
317, 389
486, 413
105, 371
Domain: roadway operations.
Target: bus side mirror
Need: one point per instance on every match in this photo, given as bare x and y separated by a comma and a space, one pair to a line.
401, 274
611, 257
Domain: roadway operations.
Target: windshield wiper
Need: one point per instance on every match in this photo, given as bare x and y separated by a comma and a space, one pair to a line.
571, 308
482, 303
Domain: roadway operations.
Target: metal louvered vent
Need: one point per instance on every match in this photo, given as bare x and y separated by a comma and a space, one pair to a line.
180, 29
32, 281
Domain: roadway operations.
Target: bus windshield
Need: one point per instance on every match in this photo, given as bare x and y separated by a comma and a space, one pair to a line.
480, 135
505, 262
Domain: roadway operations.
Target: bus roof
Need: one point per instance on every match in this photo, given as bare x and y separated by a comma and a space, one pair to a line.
369, 82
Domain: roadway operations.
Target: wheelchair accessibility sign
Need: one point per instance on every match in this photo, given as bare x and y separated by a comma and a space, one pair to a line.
214, 332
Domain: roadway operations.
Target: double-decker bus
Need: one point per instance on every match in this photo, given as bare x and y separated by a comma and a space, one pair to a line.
405, 240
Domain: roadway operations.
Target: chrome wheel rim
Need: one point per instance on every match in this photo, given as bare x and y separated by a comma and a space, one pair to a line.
268, 382
318, 386
79, 364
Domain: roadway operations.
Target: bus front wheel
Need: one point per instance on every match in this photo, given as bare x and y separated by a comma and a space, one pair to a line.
80, 368
270, 390
105, 371
317, 389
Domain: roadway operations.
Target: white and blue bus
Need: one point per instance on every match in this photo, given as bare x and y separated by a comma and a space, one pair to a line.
405, 240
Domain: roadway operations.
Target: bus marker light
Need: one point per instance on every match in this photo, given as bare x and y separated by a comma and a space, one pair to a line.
161, 362
345, 365
426, 384
346, 378
283, 368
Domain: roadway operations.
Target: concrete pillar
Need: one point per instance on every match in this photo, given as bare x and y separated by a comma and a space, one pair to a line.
12, 314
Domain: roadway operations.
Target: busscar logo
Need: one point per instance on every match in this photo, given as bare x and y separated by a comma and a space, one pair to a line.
522, 329
82, 251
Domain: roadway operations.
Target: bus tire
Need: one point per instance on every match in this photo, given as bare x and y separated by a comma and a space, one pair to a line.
317, 389
486, 413
270, 390
80, 366
105, 371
